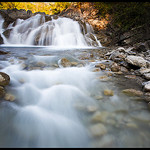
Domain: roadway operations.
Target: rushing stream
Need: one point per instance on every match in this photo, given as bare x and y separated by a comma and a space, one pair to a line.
57, 106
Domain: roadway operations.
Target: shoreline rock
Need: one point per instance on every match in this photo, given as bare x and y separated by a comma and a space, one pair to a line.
4, 81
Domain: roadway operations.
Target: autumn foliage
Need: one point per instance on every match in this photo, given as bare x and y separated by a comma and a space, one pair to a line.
47, 7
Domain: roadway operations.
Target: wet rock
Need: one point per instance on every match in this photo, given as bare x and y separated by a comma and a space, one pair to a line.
117, 56
115, 67
103, 78
2, 91
137, 61
21, 81
96, 70
9, 97
55, 17
108, 92
74, 63
102, 66
123, 69
118, 73
41, 64
104, 117
132, 92
1, 40
131, 125
130, 76
3, 53
4, 79
98, 97
98, 130
147, 96
80, 65
48, 18
147, 76
91, 108
109, 74
144, 70
6, 33
65, 62
147, 87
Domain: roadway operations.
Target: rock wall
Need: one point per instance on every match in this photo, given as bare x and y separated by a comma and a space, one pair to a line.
104, 30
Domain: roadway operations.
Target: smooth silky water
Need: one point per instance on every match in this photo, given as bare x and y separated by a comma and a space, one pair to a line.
58, 106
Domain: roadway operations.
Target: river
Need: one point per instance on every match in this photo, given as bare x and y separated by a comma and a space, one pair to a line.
65, 106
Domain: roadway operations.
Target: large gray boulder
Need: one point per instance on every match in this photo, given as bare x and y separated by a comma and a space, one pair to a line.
136, 61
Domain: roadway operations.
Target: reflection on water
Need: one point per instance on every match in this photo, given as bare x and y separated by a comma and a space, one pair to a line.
58, 106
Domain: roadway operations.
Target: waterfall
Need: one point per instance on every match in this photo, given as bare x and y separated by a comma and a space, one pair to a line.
61, 32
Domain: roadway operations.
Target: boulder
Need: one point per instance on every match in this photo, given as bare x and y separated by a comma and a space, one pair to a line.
144, 70
147, 76
136, 61
147, 87
4, 79
115, 67
102, 66
123, 69
118, 55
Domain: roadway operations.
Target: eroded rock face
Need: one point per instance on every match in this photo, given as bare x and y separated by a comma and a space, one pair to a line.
1, 40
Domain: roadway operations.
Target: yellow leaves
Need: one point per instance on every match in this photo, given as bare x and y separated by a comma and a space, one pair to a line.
47, 7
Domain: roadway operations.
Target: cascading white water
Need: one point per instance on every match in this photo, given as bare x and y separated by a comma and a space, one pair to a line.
44, 113
63, 32
1, 24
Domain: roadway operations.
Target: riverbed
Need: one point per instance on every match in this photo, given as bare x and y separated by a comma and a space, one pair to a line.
64, 105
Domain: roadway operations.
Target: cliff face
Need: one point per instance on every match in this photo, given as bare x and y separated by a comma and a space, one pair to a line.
86, 12
103, 27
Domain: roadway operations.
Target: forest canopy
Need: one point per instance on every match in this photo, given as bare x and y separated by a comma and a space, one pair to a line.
47, 7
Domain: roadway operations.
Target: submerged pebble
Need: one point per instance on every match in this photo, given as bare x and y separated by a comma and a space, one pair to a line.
98, 130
